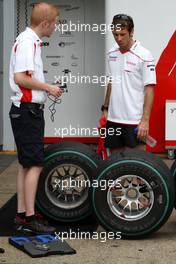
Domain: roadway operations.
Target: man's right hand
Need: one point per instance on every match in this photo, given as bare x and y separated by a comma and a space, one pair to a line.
55, 90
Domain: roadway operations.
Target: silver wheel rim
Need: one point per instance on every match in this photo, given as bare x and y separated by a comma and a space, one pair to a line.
66, 187
131, 199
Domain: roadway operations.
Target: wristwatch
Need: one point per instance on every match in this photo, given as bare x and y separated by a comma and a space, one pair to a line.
104, 108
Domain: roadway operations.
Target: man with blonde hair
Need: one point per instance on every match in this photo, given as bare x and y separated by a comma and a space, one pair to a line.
26, 113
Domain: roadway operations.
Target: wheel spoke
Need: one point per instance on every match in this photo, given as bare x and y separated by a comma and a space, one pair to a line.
66, 169
133, 200
65, 186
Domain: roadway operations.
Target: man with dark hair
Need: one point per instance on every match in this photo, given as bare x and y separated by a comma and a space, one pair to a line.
129, 96
26, 113
122, 21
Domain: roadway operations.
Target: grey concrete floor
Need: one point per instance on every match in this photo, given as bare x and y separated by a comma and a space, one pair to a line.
156, 249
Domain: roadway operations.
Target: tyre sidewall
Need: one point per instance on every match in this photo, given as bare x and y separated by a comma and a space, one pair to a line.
43, 202
157, 213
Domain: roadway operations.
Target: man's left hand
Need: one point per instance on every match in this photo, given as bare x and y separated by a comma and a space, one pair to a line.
143, 130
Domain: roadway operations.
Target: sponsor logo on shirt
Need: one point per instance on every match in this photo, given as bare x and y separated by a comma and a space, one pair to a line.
113, 58
131, 63
151, 67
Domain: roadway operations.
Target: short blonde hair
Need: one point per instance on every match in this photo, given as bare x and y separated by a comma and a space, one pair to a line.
43, 11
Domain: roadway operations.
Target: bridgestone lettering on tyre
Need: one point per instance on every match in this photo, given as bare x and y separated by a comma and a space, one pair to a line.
63, 193
141, 200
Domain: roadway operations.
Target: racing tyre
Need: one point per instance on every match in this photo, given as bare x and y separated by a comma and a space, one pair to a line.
64, 186
139, 194
173, 172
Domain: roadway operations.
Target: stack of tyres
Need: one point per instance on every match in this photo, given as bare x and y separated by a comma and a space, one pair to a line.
142, 197
138, 203
62, 194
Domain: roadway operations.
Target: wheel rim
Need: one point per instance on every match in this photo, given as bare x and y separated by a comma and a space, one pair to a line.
66, 187
131, 199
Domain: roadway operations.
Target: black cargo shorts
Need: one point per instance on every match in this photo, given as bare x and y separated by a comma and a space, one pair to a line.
27, 123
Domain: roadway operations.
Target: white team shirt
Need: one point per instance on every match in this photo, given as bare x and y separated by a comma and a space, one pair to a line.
26, 56
131, 72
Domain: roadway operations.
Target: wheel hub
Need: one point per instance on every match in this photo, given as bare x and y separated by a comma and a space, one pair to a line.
132, 194
132, 200
65, 187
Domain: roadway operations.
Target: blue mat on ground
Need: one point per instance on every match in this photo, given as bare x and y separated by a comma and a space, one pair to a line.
41, 245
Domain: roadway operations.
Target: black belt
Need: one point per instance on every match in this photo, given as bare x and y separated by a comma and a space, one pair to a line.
32, 105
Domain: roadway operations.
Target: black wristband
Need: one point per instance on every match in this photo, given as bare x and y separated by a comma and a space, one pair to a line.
104, 108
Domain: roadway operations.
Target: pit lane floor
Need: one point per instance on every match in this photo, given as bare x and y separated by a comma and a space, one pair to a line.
156, 249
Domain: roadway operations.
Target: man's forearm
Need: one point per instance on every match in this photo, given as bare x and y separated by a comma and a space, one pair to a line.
148, 102
26, 81
108, 94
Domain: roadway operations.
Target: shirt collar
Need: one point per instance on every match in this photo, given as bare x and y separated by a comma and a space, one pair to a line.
133, 47
32, 32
